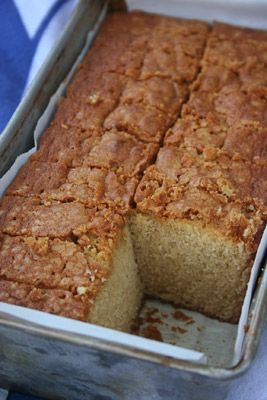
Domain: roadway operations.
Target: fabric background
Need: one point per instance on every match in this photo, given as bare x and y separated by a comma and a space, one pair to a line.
28, 30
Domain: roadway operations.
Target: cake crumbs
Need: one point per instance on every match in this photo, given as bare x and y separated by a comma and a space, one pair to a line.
180, 316
151, 332
189, 322
151, 311
149, 317
154, 320
81, 290
93, 99
178, 329
137, 323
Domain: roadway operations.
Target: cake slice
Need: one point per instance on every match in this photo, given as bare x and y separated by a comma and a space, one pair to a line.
196, 230
147, 108
142, 121
241, 50
36, 217
94, 281
122, 153
93, 186
88, 185
175, 49
64, 144
55, 301
37, 177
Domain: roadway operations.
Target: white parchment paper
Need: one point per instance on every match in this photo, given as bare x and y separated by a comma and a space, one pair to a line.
239, 12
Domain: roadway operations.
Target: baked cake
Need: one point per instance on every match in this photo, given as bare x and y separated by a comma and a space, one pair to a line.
150, 179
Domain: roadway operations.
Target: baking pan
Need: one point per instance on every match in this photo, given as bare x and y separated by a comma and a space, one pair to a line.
56, 363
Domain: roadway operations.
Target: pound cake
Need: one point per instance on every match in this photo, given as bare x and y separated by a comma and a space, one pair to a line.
151, 178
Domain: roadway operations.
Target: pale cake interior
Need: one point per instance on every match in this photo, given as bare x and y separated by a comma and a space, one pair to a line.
119, 300
193, 266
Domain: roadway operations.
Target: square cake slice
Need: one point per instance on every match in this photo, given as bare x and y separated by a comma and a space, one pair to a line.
35, 217
88, 185
121, 153
84, 281
197, 227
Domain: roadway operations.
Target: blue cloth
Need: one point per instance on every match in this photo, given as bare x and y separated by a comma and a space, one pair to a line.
17, 50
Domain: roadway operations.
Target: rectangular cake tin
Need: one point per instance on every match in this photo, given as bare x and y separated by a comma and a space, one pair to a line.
57, 363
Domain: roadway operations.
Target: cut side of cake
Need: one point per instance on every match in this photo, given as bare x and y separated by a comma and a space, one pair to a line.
150, 180
195, 235
202, 273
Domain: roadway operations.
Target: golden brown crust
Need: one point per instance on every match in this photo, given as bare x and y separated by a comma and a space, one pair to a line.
88, 185
33, 217
55, 301
174, 50
144, 122
49, 263
93, 186
227, 107
122, 49
125, 50
95, 86
215, 170
84, 114
149, 105
247, 140
236, 48
147, 108
66, 145
121, 153
191, 131
36, 177
163, 94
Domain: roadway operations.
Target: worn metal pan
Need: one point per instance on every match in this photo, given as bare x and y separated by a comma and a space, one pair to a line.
59, 364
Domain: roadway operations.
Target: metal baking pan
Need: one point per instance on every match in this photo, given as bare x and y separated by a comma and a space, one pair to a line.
54, 363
